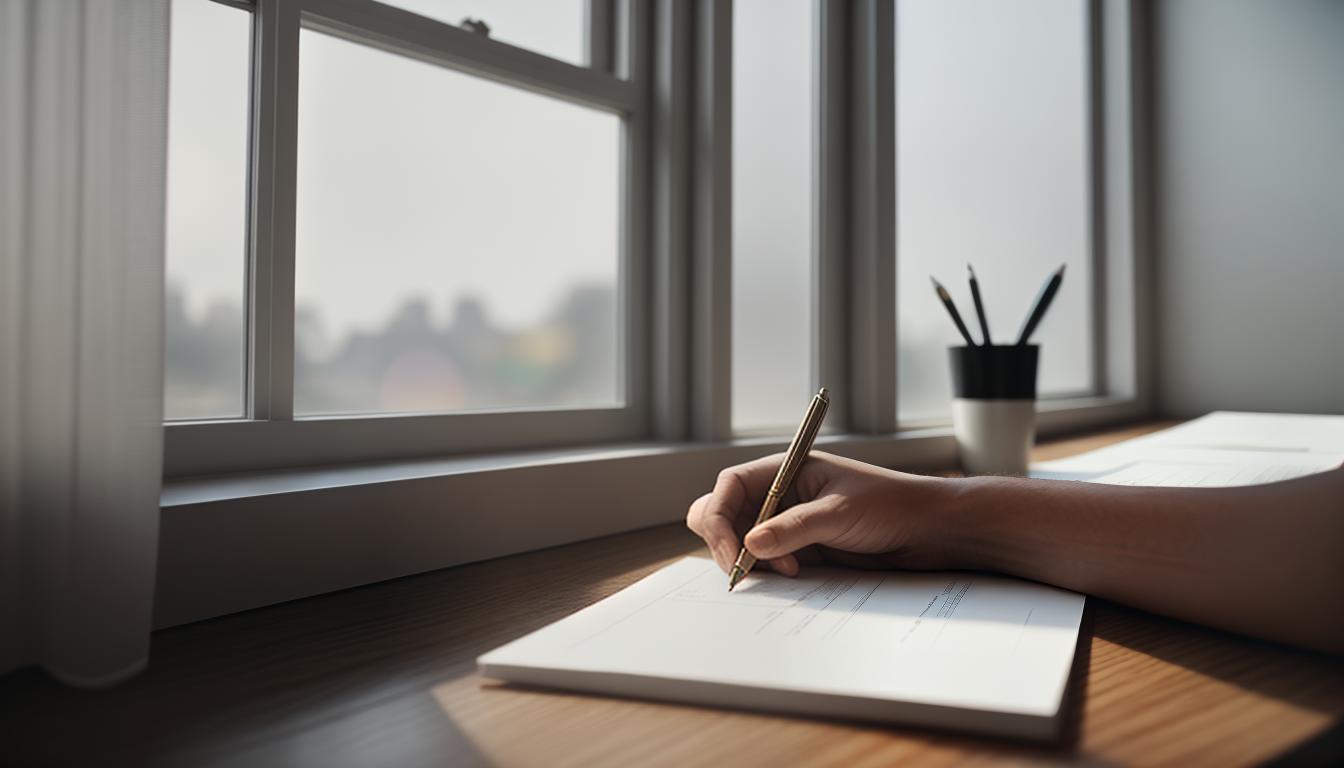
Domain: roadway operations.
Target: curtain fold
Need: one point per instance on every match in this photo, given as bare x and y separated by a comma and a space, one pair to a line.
83, 127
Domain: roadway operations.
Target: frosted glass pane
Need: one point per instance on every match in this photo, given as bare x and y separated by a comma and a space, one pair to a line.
206, 227
991, 170
456, 240
772, 213
556, 28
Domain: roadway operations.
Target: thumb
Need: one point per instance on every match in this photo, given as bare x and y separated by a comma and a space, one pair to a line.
812, 522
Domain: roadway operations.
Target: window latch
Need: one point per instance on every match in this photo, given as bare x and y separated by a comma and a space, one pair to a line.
475, 25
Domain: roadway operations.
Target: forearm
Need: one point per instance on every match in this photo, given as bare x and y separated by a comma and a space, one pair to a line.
1265, 560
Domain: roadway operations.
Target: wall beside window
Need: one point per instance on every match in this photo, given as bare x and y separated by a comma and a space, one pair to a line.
1251, 205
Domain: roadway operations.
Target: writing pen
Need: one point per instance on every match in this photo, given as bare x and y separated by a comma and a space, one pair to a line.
952, 310
799, 448
979, 308
1043, 300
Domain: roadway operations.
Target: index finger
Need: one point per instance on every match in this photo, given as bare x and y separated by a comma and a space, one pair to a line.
728, 511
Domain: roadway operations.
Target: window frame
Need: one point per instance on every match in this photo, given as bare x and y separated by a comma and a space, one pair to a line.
666, 67
268, 435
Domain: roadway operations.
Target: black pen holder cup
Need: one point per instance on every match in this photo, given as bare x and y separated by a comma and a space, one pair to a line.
994, 407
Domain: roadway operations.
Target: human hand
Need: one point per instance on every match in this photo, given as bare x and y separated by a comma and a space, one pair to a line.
838, 511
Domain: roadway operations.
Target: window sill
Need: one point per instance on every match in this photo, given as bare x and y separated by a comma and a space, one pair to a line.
239, 541
913, 448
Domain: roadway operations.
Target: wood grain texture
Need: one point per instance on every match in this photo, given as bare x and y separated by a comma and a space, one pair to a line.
385, 675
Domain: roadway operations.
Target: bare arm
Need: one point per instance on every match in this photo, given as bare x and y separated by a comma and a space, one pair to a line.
1263, 560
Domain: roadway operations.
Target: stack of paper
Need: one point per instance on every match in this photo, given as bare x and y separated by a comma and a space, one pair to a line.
966, 651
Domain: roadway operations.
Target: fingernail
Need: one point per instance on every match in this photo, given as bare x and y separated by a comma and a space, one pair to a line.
765, 539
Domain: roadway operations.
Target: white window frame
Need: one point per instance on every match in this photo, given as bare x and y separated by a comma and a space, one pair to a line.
269, 435
230, 542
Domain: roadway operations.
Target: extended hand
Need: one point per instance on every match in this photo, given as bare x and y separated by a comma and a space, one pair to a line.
838, 511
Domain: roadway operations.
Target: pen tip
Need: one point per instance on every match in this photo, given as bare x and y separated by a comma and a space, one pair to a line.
1061, 269
823, 393
969, 270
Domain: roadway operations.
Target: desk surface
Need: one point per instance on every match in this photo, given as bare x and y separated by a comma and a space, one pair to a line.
384, 675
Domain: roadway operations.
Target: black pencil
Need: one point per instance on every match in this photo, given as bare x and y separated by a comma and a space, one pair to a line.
1043, 300
979, 308
952, 310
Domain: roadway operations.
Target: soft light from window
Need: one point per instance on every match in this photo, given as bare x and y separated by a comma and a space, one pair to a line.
206, 233
772, 213
991, 114
456, 240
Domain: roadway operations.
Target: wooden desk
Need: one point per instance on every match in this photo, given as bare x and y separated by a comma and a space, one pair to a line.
384, 675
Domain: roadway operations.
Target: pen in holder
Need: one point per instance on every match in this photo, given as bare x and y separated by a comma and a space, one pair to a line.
994, 407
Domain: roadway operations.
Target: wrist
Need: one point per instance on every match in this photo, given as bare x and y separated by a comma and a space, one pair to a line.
971, 523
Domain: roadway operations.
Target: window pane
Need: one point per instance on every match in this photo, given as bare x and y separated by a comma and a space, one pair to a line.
991, 170
457, 240
772, 212
206, 233
556, 28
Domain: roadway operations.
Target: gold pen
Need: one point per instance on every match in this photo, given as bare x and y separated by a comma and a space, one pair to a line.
799, 448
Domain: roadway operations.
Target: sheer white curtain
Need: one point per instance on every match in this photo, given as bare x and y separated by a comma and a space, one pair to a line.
83, 88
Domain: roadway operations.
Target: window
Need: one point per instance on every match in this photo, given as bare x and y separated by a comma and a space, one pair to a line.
392, 236
206, 231
419, 207
353, 204
773, 182
991, 170
441, 244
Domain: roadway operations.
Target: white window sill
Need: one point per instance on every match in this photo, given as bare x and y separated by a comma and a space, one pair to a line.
239, 541
930, 444
920, 446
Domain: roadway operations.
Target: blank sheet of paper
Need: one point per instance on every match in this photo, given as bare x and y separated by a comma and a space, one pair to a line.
832, 642
1194, 475
1220, 449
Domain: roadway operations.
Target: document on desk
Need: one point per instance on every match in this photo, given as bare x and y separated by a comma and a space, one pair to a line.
952, 650
1220, 449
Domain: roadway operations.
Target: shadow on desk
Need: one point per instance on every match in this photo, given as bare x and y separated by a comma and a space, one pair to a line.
1304, 679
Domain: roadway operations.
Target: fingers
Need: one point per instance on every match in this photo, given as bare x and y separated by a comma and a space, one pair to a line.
722, 540
786, 565
709, 519
813, 522
716, 537
717, 516
753, 477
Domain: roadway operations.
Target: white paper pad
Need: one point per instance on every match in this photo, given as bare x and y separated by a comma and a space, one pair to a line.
969, 651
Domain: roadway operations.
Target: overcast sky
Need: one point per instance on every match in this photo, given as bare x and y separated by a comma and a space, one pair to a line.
414, 181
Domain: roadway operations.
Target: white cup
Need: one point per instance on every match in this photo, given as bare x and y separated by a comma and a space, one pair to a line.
994, 437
